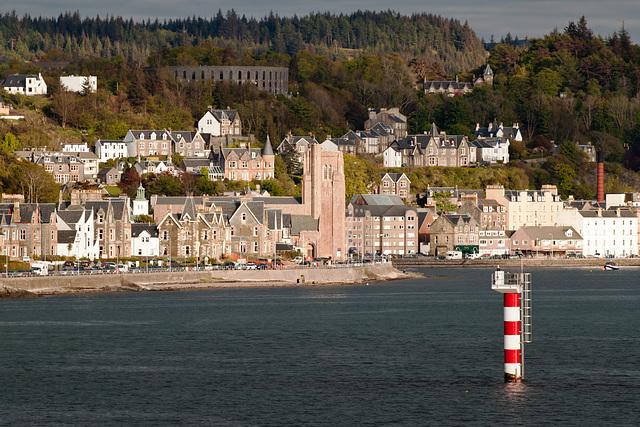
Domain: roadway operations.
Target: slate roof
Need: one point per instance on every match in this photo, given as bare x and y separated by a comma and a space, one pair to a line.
556, 232
381, 210
67, 236
147, 134
377, 199
267, 150
71, 216
136, 229
224, 114
395, 176
597, 213
17, 80
303, 223
274, 219
189, 208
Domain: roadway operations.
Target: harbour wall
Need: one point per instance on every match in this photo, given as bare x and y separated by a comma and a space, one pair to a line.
156, 281
428, 262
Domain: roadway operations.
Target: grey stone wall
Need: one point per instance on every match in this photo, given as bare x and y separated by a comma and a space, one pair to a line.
270, 79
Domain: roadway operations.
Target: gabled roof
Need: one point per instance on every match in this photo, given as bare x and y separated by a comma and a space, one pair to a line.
67, 236
136, 229
148, 132
189, 209
394, 176
377, 199
18, 80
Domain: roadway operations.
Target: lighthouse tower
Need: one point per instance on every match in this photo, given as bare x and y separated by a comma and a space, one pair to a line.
516, 290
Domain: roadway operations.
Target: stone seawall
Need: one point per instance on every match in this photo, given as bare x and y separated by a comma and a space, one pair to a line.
402, 263
196, 279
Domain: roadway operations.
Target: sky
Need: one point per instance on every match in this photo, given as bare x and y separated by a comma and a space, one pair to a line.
531, 18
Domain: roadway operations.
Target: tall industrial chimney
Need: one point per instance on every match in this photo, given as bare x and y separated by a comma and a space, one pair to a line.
600, 191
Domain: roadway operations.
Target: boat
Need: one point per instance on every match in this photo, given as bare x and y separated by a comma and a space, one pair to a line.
610, 265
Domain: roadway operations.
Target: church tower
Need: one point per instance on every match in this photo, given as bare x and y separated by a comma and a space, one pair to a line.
323, 192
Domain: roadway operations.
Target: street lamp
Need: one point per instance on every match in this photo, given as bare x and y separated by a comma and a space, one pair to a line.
551, 244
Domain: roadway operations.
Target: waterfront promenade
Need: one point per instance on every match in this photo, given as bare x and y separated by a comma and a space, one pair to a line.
165, 281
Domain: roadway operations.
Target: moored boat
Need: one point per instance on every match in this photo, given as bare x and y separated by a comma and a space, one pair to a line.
610, 265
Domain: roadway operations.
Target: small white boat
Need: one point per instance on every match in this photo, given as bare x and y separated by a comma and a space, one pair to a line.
610, 265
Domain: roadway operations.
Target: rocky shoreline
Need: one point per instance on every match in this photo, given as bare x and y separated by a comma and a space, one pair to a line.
29, 287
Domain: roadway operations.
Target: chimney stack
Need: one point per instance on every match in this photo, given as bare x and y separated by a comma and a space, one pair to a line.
600, 191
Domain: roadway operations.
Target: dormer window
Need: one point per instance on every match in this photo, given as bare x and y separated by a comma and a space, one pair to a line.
141, 136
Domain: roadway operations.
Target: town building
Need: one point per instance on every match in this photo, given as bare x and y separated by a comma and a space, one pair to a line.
114, 149
491, 150
147, 143
144, 240
112, 225
454, 232
455, 87
377, 229
273, 80
76, 237
83, 84
140, 205
430, 149
64, 167
612, 232
495, 130
220, 122
29, 230
242, 164
109, 175
394, 121
395, 183
25, 84
548, 241
527, 207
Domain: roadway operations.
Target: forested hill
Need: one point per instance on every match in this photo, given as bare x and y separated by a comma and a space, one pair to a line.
422, 36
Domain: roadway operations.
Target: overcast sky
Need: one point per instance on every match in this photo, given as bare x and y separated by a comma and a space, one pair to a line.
531, 18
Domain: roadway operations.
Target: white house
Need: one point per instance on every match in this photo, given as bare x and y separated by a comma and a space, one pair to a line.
144, 240
75, 148
604, 232
220, 122
25, 84
491, 150
392, 157
76, 233
114, 149
78, 83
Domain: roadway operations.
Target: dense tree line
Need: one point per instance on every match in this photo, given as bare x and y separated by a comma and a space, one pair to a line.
448, 41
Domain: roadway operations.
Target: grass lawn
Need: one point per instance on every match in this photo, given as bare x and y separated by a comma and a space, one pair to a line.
113, 190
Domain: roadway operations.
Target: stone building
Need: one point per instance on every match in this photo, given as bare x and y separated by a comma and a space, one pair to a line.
455, 87
395, 183
28, 230
112, 225
269, 79
454, 231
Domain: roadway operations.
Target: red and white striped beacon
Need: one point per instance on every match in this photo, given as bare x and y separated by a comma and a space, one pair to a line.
516, 288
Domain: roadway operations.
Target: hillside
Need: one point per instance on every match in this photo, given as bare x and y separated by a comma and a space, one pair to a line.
424, 36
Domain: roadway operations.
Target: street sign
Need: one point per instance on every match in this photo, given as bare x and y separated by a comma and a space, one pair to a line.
104, 256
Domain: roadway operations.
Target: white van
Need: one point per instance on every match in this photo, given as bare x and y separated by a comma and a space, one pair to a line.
40, 268
454, 255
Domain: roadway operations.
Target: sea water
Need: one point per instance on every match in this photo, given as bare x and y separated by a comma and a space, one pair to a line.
412, 352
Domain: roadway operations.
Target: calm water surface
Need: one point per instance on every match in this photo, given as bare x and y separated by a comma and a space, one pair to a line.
413, 352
